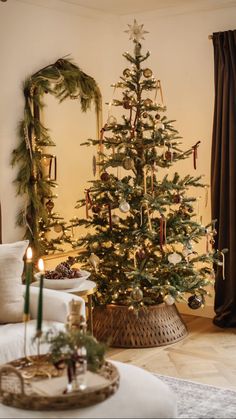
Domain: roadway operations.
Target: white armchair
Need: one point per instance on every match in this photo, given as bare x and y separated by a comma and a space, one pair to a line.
55, 311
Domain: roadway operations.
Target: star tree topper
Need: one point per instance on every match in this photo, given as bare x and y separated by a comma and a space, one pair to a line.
136, 31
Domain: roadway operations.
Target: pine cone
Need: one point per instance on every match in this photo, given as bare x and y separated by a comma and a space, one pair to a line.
64, 269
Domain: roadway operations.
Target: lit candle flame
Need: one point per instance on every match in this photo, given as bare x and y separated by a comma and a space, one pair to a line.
41, 265
29, 254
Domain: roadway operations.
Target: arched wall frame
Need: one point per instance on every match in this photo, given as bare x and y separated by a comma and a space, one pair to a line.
36, 177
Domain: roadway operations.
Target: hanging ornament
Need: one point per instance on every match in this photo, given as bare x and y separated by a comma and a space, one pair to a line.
128, 163
88, 202
177, 198
124, 206
126, 72
195, 302
115, 219
58, 228
49, 205
137, 294
127, 102
145, 208
174, 258
144, 114
195, 147
96, 209
169, 300
140, 254
162, 234
109, 213
105, 176
147, 72
94, 165
222, 263
169, 154
147, 102
158, 116
94, 261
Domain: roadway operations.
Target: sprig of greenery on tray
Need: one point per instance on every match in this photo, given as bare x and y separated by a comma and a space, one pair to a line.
63, 346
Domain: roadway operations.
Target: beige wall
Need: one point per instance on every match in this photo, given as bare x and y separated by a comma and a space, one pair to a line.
30, 38
181, 56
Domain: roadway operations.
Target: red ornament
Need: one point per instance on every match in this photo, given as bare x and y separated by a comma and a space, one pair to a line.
169, 155
105, 176
49, 205
96, 209
177, 198
140, 254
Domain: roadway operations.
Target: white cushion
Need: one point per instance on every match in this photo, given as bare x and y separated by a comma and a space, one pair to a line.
141, 395
11, 269
12, 339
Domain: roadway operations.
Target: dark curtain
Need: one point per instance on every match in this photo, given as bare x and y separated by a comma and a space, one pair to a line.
223, 173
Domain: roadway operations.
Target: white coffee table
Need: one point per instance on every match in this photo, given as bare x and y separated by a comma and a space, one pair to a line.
141, 395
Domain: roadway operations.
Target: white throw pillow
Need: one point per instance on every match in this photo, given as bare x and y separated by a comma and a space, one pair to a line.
11, 269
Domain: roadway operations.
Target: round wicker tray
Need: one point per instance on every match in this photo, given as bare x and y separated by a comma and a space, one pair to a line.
152, 326
18, 392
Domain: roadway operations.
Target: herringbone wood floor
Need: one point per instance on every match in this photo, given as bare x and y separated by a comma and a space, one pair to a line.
207, 355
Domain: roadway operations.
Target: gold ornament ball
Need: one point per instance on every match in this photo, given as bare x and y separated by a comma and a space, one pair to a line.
94, 260
126, 72
137, 294
128, 163
58, 228
148, 102
147, 72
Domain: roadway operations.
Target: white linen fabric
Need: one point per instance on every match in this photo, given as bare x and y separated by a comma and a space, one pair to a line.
11, 269
141, 395
55, 311
55, 304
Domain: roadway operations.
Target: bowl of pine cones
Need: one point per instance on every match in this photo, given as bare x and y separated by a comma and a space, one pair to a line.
64, 276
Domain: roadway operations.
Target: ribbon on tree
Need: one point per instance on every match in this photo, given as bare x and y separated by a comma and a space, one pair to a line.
88, 202
145, 179
195, 147
162, 231
53, 159
158, 87
110, 218
144, 207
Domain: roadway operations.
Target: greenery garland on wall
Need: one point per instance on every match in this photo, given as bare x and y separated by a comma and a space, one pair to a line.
34, 180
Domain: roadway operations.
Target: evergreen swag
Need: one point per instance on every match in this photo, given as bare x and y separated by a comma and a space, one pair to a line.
143, 227
63, 79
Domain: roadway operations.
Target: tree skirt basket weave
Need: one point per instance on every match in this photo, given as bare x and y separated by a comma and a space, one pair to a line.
152, 326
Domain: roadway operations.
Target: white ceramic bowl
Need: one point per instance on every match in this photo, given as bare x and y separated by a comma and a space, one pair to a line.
65, 283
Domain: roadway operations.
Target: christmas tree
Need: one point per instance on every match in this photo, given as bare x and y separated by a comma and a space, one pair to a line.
142, 229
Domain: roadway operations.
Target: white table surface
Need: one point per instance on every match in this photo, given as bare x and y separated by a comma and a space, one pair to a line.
140, 395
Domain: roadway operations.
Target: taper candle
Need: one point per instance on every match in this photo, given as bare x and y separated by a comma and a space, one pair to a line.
28, 280
40, 299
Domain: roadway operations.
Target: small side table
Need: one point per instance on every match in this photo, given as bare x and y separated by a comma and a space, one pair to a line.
86, 290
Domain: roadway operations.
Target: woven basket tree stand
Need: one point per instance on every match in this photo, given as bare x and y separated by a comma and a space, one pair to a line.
152, 326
